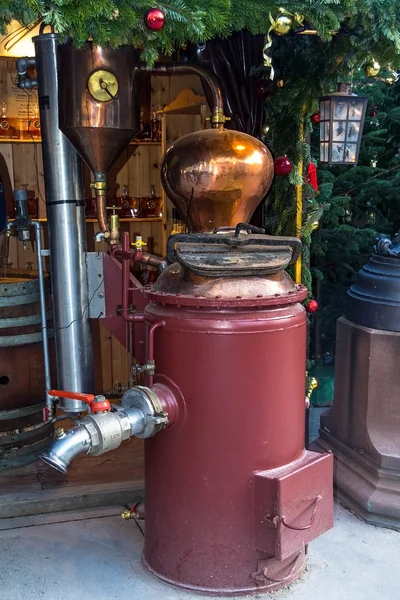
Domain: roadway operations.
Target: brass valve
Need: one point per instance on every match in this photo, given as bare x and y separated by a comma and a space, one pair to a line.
114, 224
132, 512
218, 118
139, 243
126, 514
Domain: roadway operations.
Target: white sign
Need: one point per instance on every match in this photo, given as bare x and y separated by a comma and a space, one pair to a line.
21, 104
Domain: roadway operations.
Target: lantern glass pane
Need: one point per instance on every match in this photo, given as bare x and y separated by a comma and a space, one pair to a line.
324, 131
339, 108
324, 110
337, 152
353, 131
323, 155
356, 110
350, 153
339, 131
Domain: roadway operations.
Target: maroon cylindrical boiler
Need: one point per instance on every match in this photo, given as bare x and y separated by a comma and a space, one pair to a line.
221, 478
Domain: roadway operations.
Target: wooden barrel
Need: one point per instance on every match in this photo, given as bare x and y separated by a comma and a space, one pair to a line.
23, 430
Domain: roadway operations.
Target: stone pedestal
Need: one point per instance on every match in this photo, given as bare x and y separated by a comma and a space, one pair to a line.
362, 428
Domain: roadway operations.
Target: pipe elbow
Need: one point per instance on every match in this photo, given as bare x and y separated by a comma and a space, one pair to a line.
66, 447
24, 63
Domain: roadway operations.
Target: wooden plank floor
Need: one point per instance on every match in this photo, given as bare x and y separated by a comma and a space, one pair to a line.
115, 478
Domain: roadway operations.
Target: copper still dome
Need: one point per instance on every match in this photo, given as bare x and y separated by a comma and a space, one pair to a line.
216, 177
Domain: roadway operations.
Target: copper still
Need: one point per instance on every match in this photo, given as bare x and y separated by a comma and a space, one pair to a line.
232, 496
99, 110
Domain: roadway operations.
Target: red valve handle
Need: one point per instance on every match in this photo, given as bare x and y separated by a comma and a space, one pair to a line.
95, 406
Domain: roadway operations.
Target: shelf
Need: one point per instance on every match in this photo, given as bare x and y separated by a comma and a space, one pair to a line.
39, 141
17, 141
133, 220
133, 143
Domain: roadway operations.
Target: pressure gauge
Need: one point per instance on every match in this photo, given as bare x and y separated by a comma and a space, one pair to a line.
103, 86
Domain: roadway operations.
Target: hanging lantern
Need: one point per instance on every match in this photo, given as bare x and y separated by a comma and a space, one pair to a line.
342, 117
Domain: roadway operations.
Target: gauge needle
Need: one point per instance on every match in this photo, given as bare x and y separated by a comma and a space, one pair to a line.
104, 86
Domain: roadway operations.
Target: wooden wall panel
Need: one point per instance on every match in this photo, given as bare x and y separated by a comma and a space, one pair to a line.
139, 168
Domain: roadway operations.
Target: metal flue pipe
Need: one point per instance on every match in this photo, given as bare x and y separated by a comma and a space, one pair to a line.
67, 234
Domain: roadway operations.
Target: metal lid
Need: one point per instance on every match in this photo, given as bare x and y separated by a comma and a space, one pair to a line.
233, 252
374, 300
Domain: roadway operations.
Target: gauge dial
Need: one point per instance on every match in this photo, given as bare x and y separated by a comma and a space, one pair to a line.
103, 86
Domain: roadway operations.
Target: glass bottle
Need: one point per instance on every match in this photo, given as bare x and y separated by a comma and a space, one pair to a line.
34, 123
33, 205
124, 203
155, 126
175, 227
6, 130
144, 133
151, 206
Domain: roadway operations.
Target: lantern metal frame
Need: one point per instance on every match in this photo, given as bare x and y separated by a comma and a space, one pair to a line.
341, 123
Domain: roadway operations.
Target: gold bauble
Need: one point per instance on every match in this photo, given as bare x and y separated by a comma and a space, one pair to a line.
265, 129
298, 18
314, 225
391, 79
372, 69
280, 83
282, 24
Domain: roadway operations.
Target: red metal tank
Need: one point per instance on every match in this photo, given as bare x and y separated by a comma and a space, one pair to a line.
232, 497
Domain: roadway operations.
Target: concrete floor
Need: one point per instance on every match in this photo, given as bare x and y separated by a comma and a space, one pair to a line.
99, 559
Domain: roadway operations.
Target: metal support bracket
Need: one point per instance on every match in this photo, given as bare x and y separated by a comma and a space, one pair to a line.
95, 275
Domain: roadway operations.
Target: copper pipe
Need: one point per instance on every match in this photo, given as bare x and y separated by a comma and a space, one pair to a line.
152, 260
207, 76
140, 257
102, 212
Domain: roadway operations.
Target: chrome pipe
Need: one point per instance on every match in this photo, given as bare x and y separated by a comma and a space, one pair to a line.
67, 446
67, 234
46, 354
136, 420
141, 414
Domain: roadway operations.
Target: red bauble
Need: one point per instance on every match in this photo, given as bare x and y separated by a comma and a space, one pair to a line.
312, 306
282, 166
261, 87
315, 118
311, 176
154, 19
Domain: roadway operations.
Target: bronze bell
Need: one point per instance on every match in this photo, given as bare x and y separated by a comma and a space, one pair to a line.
216, 177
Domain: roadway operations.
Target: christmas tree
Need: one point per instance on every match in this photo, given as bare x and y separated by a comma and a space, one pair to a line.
359, 202
366, 26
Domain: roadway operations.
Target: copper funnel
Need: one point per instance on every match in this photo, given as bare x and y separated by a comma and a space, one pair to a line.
217, 177
98, 101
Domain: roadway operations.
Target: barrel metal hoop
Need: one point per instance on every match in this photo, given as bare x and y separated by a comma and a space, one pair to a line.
12, 439
8, 341
19, 300
20, 288
23, 321
17, 413
18, 457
